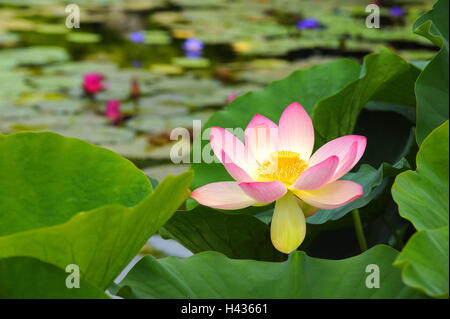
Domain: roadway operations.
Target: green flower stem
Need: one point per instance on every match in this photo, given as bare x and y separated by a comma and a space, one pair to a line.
359, 230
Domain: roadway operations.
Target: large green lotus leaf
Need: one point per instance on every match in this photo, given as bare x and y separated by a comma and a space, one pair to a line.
424, 262
337, 115
432, 84
387, 98
104, 240
305, 86
45, 179
65, 201
212, 275
433, 25
238, 236
29, 278
423, 198
422, 195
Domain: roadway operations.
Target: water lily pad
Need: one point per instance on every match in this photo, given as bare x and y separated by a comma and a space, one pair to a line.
191, 63
187, 121
80, 68
36, 123
46, 28
99, 134
38, 55
188, 84
265, 47
157, 37
166, 17
161, 109
8, 38
164, 152
54, 83
13, 84
147, 123
167, 69
141, 149
17, 24
83, 37
138, 148
199, 3
14, 112
88, 119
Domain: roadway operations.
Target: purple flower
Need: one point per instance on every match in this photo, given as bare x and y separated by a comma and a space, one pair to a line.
193, 45
136, 64
309, 23
193, 54
396, 12
137, 37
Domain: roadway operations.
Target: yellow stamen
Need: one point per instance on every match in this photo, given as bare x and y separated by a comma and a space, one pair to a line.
284, 166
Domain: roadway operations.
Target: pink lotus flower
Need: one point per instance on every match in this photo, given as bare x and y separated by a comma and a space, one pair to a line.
92, 83
113, 110
275, 164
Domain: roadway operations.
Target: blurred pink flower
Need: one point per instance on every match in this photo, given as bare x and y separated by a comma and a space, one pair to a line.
113, 110
92, 83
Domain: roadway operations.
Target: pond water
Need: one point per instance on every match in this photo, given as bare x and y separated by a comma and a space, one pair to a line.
170, 62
